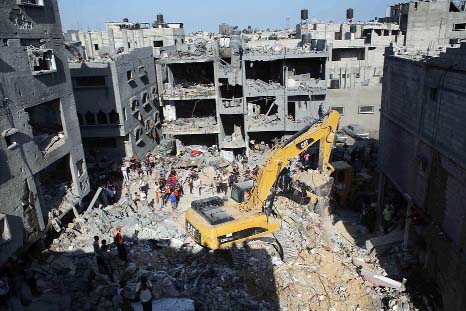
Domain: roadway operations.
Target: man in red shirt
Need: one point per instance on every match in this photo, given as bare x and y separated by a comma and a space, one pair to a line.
118, 240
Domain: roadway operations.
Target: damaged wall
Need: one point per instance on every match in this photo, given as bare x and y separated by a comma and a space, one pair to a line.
423, 153
117, 100
21, 89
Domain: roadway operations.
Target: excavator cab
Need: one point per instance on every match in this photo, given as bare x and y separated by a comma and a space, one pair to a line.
240, 192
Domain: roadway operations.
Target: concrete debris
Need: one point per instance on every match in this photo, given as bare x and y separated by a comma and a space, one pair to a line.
207, 125
189, 90
312, 274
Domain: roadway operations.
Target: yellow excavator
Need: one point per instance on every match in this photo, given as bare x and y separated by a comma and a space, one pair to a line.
216, 224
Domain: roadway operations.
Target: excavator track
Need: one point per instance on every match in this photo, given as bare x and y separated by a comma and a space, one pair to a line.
286, 247
240, 256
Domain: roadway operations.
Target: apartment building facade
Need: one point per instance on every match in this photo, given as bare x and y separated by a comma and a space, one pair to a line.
117, 104
227, 93
422, 157
43, 167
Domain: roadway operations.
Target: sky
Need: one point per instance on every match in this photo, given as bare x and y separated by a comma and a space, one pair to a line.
208, 14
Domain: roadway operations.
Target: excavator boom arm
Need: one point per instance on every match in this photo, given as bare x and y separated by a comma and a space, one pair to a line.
323, 131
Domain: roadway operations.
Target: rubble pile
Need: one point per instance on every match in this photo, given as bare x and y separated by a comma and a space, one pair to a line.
157, 248
323, 268
189, 90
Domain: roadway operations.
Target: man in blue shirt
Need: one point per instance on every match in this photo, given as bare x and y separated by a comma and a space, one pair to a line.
172, 199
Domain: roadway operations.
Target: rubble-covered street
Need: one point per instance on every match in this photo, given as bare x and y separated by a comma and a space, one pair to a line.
325, 269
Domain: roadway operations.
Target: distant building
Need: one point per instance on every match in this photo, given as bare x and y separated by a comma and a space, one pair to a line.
117, 105
125, 36
422, 158
430, 25
42, 161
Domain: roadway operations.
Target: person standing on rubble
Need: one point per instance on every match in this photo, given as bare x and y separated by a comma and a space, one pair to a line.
152, 160
224, 183
118, 240
197, 186
144, 289
173, 200
136, 199
166, 190
143, 199
98, 254
143, 186
106, 259
232, 179
217, 183
160, 194
387, 217
124, 172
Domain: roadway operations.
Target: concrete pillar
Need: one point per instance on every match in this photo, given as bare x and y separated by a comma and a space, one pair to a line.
409, 208
100, 39
140, 38
90, 44
124, 34
131, 39
111, 40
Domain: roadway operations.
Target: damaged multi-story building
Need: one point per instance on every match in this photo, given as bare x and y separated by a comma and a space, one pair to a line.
43, 174
226, 92
423, 162
126, 35
355, 64
117, 104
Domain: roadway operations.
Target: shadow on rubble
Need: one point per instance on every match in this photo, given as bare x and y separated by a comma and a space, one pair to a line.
209, 280
367, 247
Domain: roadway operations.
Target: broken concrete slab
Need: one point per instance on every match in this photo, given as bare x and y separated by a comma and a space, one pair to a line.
385, 240
380, 280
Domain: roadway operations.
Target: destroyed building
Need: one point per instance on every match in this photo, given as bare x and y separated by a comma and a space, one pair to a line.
226, 92
430, 25
117, 104
422, 159
126, 35
43, 167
